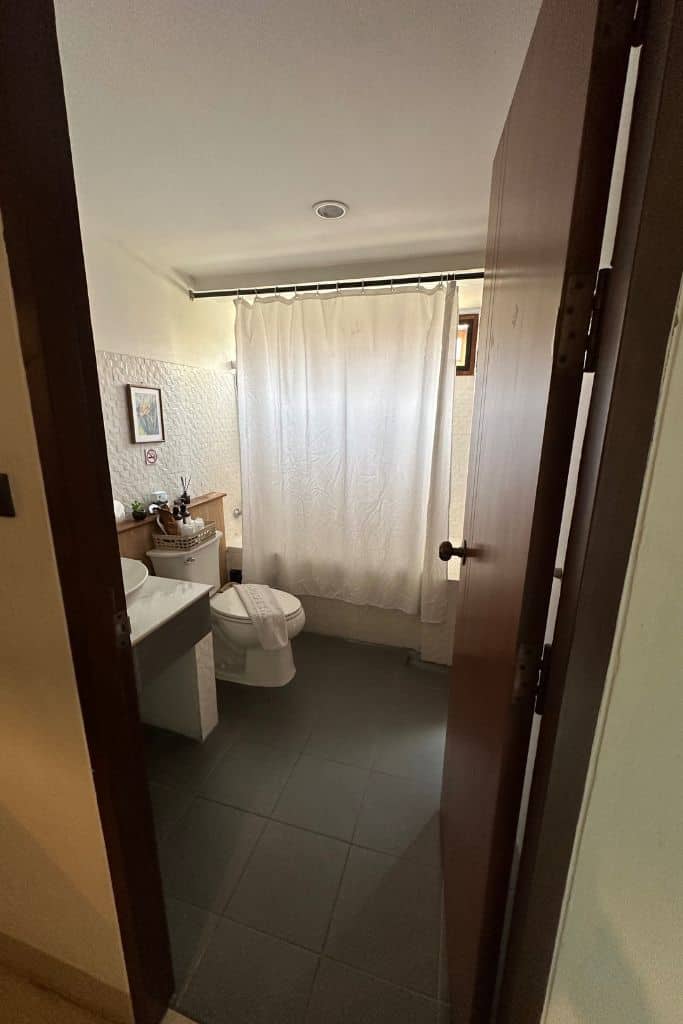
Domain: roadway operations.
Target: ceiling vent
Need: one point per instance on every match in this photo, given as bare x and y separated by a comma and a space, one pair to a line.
330, 209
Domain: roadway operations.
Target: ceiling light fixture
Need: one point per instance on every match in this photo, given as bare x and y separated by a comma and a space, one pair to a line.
330, 209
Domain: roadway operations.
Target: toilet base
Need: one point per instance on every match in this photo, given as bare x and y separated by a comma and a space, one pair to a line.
261, 668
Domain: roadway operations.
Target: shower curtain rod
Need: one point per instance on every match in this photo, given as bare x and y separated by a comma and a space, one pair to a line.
339, 286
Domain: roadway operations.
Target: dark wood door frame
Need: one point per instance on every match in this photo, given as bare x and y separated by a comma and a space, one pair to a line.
43, 240
640, 305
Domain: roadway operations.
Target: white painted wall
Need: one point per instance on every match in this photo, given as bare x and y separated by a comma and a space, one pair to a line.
618, 953
55, 887
138, 310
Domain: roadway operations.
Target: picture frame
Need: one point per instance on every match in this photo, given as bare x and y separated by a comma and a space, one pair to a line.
146, 414
466, 344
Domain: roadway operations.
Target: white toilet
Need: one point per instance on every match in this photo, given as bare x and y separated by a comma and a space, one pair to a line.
235, 641
238, 655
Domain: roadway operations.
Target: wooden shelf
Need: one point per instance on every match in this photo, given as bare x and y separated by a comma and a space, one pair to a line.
123, 525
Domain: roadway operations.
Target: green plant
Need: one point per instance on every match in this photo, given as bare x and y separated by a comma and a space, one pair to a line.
137, 506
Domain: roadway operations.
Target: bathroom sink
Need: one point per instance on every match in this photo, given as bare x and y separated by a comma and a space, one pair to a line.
134, 575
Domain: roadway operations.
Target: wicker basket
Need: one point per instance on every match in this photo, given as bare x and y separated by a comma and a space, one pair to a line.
178, 543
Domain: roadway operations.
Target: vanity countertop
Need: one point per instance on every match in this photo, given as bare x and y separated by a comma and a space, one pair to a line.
158, 601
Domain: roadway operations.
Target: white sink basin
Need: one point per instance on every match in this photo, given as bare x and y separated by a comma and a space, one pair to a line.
134, 575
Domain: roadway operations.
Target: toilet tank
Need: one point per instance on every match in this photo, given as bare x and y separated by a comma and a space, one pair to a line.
198, 565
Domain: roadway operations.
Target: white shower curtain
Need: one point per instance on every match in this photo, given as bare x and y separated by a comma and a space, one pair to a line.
345, 414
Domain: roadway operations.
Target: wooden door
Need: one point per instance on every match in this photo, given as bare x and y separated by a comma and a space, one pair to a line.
548, 200
641, 303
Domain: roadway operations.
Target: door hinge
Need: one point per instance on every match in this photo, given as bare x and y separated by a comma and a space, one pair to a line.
526, 673
573, 322
595, 327
122, 629
639, 26
542, 680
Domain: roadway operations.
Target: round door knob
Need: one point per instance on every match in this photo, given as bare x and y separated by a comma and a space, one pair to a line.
446, 551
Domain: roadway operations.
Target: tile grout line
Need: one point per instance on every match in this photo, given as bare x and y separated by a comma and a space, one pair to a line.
287, 780
266, 819
198, 956
378, 977
361, 805
247, 862
221, 914
269, 935
312, 989
219, 760
269, 817
319, 954
196, 793
442, 942
225, 911
329, 926
336, 895
266, 935
423, 862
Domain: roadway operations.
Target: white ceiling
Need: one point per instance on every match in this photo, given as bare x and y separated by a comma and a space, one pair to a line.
203, 130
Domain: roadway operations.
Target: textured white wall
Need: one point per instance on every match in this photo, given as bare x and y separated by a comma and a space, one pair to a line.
618, 952
200, 421
462, 429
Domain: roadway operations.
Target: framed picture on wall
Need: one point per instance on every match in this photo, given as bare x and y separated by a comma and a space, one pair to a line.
466, 344
146, 416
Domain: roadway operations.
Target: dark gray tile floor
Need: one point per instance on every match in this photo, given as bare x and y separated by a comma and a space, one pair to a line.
300, 849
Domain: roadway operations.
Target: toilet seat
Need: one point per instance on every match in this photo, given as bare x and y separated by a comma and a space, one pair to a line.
227, 605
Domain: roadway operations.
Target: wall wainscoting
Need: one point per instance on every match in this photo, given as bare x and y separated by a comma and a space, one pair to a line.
200, 421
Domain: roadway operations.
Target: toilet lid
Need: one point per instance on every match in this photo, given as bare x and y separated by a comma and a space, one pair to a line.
228, 604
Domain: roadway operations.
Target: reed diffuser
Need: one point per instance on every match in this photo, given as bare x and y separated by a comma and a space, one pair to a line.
185, 484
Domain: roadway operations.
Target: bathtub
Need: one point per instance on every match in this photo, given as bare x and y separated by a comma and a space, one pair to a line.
233, 552
433, 641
